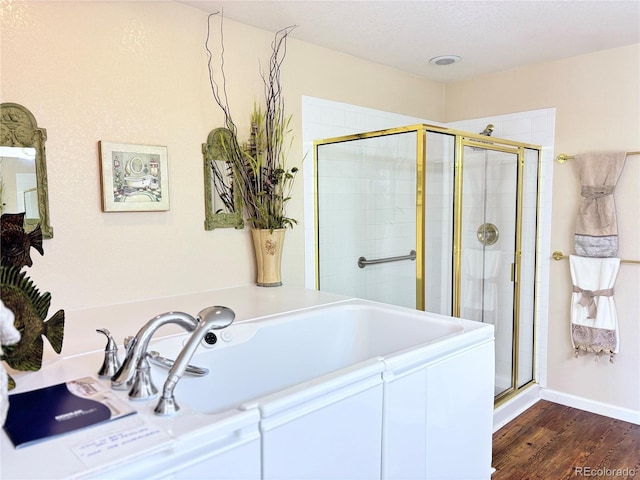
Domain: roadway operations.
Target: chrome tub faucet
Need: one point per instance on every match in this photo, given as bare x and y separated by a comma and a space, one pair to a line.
211, 318
137, 347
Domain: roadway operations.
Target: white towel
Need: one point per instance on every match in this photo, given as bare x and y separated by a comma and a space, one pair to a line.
594, 320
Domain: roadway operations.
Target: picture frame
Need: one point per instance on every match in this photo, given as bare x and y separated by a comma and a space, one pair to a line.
134, 178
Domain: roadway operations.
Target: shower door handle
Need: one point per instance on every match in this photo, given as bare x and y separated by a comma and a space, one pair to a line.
514, 272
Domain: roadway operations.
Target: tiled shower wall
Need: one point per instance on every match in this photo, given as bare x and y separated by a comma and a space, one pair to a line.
326, 119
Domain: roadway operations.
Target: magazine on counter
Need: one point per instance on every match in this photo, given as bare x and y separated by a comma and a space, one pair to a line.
47, 412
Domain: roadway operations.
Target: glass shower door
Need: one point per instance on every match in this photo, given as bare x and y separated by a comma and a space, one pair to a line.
488, 205
366, 207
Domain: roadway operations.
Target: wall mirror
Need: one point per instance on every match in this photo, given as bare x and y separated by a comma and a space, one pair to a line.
223, 208
23, 168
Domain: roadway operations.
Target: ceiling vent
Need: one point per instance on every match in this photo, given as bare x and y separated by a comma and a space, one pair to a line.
444, 60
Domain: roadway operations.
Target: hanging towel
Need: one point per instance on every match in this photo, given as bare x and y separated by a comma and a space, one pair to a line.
594, 320
596, 233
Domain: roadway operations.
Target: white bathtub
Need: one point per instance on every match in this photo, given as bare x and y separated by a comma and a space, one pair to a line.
348, 389
256, 358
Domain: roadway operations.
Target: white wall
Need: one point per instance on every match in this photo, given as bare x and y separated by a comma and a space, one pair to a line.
135, 72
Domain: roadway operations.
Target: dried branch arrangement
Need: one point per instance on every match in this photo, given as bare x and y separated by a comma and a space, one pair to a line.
259, 166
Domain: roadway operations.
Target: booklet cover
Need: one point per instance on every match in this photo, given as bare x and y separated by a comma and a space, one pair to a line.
51, 411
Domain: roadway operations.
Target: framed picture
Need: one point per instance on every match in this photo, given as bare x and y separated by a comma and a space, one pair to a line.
134, 177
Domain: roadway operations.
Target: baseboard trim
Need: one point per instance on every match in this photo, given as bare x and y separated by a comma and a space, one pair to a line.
593, 406
515, 406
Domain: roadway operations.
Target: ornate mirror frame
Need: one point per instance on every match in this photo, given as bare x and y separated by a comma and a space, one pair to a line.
213, 151
18, 128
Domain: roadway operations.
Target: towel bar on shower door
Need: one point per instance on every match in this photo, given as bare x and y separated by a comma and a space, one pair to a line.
363, 262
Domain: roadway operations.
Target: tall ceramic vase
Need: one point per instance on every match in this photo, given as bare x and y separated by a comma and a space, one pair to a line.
267, 245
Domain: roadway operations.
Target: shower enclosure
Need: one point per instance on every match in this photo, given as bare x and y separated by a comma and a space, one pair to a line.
439, 220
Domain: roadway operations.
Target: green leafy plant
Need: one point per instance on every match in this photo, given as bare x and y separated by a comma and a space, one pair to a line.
262, 175
259, 166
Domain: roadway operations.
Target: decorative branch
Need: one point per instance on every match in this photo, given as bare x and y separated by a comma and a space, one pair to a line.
259, 167
223, 185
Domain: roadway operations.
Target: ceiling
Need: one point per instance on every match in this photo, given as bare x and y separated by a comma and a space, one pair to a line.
490, 36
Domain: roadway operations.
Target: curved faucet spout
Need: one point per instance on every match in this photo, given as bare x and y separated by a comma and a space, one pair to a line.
135, 351
211, 318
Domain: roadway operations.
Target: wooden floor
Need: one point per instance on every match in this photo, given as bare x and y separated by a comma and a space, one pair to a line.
554, 442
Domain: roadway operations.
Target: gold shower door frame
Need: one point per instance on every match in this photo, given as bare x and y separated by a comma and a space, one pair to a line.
462, 139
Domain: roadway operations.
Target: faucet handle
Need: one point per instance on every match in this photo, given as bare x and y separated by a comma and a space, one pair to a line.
143, 387
110, 364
